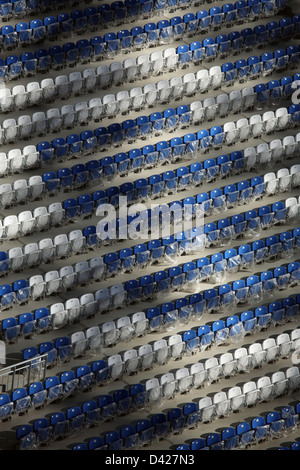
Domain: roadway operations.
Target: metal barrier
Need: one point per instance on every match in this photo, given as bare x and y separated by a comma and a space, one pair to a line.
23, 373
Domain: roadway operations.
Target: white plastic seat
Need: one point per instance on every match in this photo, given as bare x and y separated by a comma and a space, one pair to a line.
42, 218
96, 108
176, 345
204, 80
82, 112
79, 343
150, 94
39, 122
271, 348
228, 363
62, 247
147, 356
73, 309
169, 385
48, 88
7, 100
31, 156
154, 391
131, 69
47, 248
54, 119
190, 83
63, 86
4, 162
15, 160
264, 154
265, 388
16, 258
293, 376
34, 93
280, 383
36, 187
89, 305
284, 179
102, 297
7, 195
32, 254
110, 105
282, 117
161, 349
251, 393
90, 79
68, 277
177, 86
144, 65
140, 323
270, 121
131, 361
236, 101
197, 111
24, 126
126, 329
137, 97
68, 116
199, 374
224, 104
38, 286
94, 339
97, 267
56, 212
83, 271
117, 72
217, 76
236, 397
10, 129
271, 183
184, 379
249, 97
118, 295
21, 190
213, 368
124, 101
27, 222
59, 315
222, 404
170, 58
104, 75
244, 128
11, 226
116, 366
244, 360
285, 345
53, 282
207, 409
110, 333
258, 354
276, 149
75, 78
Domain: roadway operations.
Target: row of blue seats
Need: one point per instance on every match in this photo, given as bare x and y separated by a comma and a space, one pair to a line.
178, 277
41, 319
145, 286
69, 54
111, 105
272, 425
106, 407
168, 120
92, 18
122, 402
175, 421
123, 162
19, 8
166, 31
54, 388
231, 438
188, 342
216, 201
